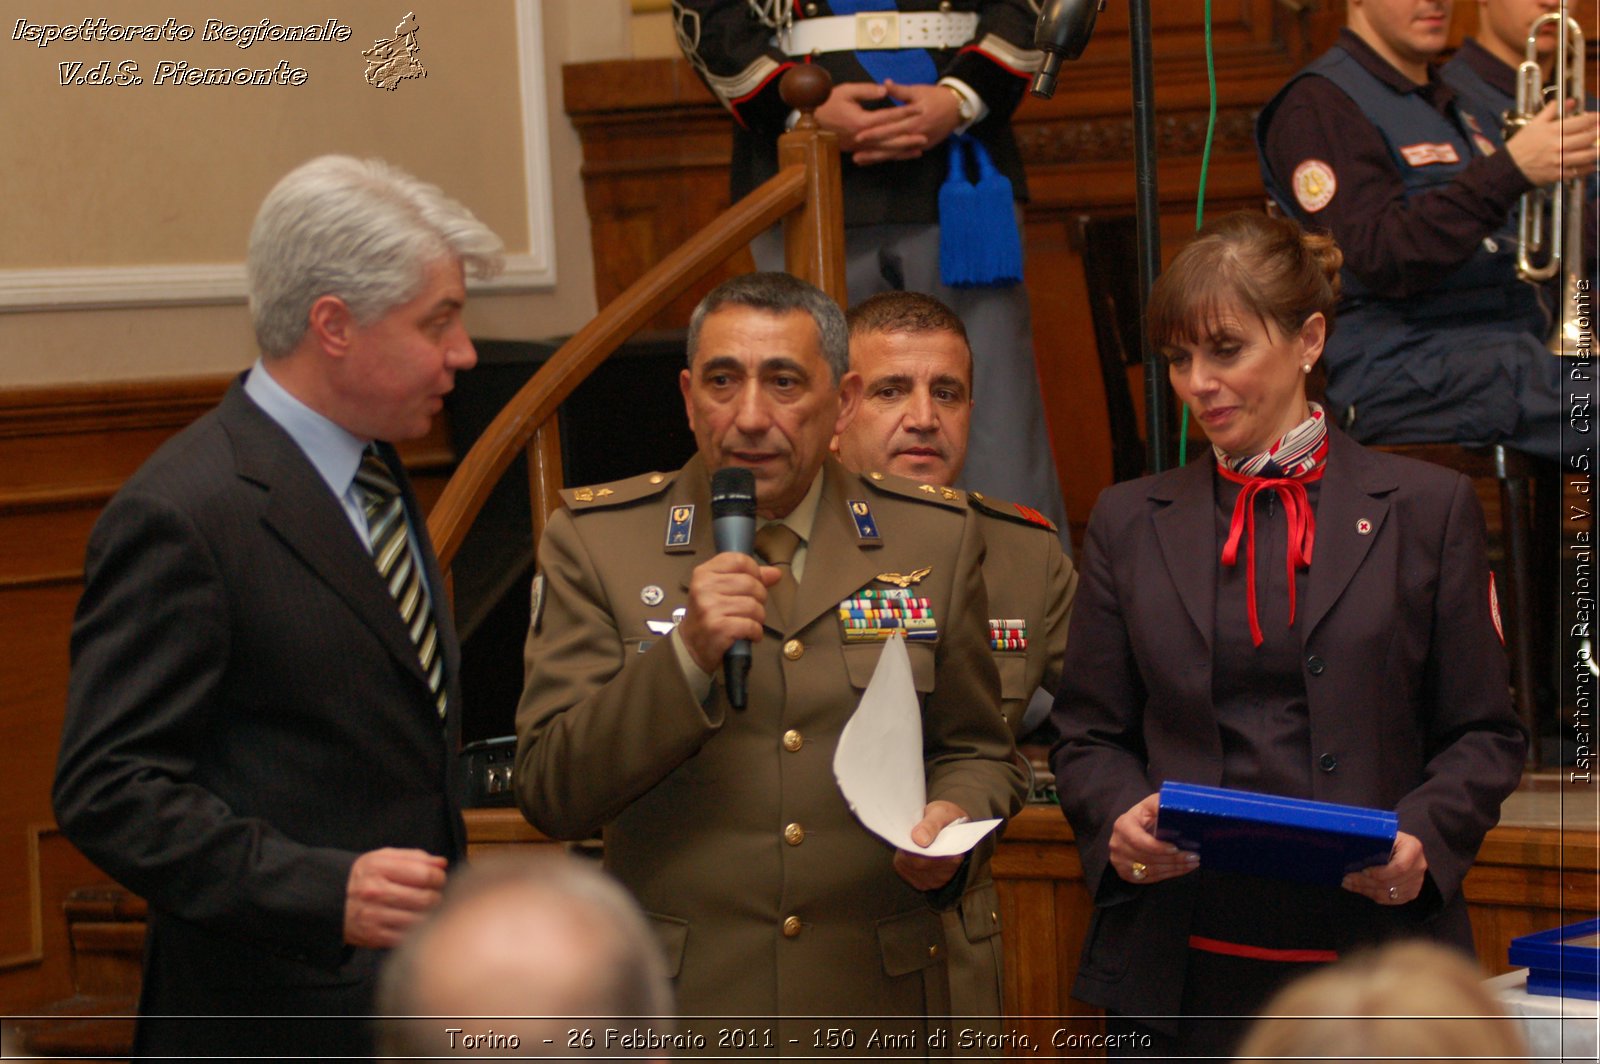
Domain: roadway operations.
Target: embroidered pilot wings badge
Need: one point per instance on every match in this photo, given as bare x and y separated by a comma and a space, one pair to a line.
905, 579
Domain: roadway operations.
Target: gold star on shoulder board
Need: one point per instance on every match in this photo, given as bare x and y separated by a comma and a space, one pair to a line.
905, 579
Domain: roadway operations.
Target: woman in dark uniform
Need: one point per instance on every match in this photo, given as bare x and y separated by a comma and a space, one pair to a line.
1293, 614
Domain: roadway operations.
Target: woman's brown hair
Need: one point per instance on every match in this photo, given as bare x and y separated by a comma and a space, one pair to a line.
1252, 263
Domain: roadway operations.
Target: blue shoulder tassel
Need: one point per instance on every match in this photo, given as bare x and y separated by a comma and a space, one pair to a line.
979, 245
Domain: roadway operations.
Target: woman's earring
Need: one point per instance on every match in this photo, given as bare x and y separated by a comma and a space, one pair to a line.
1306, 368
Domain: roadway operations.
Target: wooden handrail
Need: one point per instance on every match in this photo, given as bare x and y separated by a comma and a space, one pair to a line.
803, 185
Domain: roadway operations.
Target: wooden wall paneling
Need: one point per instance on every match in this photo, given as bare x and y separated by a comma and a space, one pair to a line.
657, 149
64, 451
1531, 879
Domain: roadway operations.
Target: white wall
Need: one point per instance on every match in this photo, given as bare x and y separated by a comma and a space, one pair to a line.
141, 196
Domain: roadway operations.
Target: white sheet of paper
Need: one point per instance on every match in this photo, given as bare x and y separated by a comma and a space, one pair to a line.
878, 762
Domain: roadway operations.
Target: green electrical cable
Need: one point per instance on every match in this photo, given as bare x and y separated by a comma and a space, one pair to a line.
1211, 124
1200, 200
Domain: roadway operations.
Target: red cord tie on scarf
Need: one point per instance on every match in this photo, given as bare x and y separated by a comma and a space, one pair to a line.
1302, 530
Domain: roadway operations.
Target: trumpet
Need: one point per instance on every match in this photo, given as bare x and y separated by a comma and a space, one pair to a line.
1550, 223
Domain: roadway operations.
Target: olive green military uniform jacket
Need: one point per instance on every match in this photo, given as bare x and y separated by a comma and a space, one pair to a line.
1030, 584
770, 897
1029, 578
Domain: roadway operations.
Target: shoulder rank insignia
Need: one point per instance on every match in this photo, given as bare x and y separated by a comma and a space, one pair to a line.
872, 615
907, 488
617, 493
861, 513
1011, 511
680, 525
916, 576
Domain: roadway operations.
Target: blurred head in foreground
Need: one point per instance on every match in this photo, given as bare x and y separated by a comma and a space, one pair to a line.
1408, 1000
526, 945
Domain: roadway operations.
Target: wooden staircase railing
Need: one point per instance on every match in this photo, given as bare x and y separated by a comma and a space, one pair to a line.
805, 194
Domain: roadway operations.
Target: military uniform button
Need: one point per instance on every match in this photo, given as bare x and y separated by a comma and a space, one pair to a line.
656, 478
811, 10
1315, 665
791, 927
793, 740
933, 951
1327, 762
794, 834
793, 649
875, 476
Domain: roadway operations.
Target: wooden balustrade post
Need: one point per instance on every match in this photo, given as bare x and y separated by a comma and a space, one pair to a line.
813, 237
544, 475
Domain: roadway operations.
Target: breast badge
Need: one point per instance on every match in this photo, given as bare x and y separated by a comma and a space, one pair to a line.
1008, 633
872, 615
916, 576
666, 627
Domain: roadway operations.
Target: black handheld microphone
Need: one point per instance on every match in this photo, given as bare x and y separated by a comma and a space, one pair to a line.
733, 528
1062, 33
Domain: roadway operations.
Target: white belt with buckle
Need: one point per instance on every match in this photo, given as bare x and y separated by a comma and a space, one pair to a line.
870, 30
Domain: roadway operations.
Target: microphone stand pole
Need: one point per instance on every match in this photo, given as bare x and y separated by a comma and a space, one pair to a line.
1148, 208
1061, 33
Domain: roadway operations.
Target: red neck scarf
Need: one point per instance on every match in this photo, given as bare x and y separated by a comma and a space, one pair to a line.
1310, 446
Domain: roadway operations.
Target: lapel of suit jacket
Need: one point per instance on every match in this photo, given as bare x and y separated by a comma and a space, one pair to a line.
836, 563
303, 513
1185, 527
1354, 495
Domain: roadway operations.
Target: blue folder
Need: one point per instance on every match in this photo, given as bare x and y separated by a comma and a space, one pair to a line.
1274, 837
1564, 962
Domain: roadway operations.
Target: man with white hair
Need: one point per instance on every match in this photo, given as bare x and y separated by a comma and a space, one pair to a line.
542, 956
263, 710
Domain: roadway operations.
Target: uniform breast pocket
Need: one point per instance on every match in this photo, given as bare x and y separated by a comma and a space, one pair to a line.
1013, 668
861, 661
673, 935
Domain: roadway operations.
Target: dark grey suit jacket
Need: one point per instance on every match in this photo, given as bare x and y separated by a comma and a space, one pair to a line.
1405, 677
246, 716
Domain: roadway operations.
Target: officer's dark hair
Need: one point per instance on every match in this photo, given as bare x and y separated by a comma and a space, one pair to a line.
779, 293
907, 312
1251, 263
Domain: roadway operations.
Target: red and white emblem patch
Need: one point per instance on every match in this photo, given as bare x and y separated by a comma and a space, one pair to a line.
1429, 154
1314, 185
1494, 611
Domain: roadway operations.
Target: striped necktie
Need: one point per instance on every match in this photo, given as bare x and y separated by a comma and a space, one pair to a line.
398, 566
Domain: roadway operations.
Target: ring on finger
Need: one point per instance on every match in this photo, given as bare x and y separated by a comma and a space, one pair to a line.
1394, 893
1138, 870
